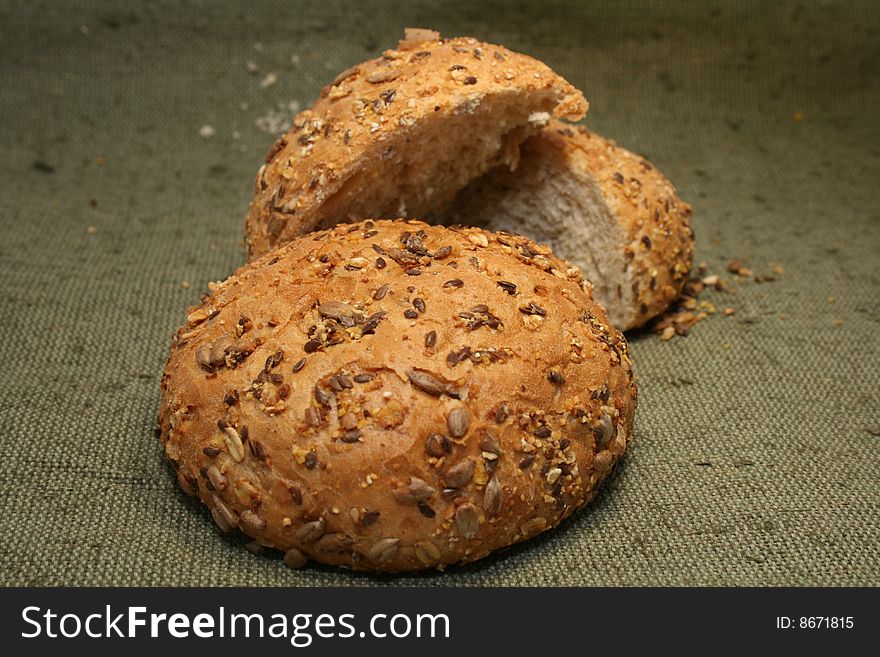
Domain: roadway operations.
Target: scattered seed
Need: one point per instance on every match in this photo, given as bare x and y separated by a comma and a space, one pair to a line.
380, 293
210, 451
231, 397
460, 474
501, 414
409, 313
526, 462
311, 460
295, 494
431, 339
458, 421
380, 263
467, 520
257, 449
426, 510
298, 365
363, 378
454, 283
508, 287
419, 304
311, 346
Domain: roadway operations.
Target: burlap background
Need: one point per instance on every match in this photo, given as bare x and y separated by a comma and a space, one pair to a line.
756, 460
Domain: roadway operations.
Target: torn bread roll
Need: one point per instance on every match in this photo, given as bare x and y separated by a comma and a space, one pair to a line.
400, 135
393, 396
597, 205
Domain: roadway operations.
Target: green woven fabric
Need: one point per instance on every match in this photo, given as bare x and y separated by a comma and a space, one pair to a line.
756, 457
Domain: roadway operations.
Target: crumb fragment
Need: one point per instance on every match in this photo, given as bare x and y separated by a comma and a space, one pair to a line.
206, 131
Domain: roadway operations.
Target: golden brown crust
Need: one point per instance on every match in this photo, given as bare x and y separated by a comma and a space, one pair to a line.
424, 92
394, 396
659, 240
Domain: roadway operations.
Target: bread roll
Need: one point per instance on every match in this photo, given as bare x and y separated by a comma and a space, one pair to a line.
402, 134
394, 396
603, 208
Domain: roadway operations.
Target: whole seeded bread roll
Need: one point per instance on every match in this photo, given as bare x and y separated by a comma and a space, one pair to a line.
393, 396
603, 208
402, 134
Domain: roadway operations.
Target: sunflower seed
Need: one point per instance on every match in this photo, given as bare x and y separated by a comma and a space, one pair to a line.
220, 520
460, 474
369, 518
533, 526
352, 436
310, 531
203, 357
467, 520
333, 543
251, 521
443, 252
489, 443
348, 421
555, 377
427, 382
454, 283
419, 304
230, 516
313, 416
218, 481
383, 549
234, 444
416, 490
294, 558
311, 346
322, 396
603, 431
427, 552
458, 421
438, 445
533, 309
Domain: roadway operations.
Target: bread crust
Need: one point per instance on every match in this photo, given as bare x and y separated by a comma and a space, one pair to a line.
393, 396
420, 91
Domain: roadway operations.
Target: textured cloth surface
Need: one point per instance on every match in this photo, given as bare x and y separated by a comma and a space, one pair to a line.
131, 134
